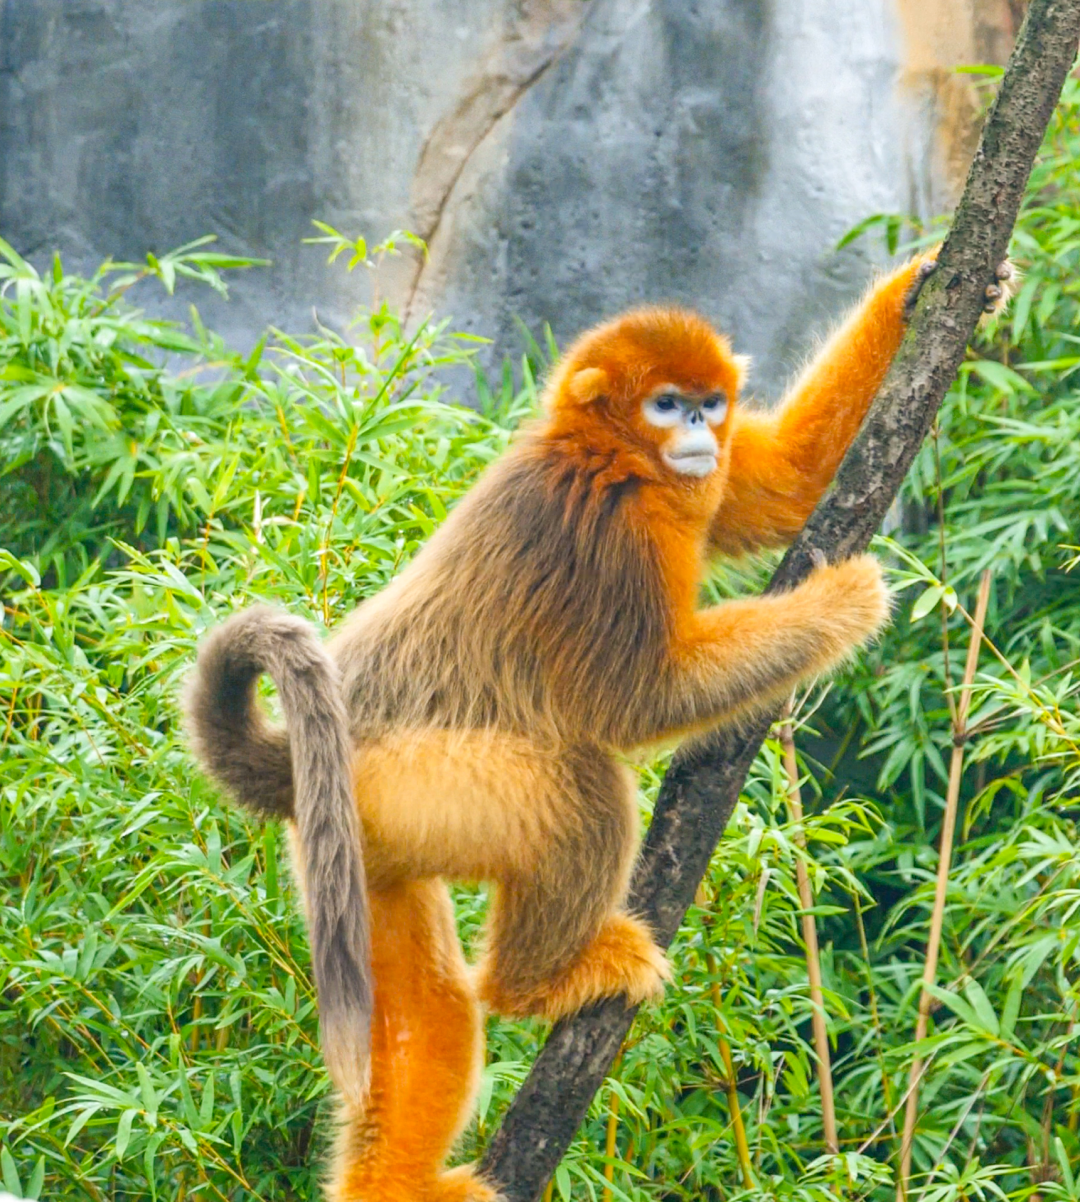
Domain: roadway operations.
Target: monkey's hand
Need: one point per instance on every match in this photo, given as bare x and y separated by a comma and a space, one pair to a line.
849, 601
1003, 289
995, 297
747, 653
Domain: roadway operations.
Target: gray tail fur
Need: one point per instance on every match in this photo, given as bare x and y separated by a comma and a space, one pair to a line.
301, 772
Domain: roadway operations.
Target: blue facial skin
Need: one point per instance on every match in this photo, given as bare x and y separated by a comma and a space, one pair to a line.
692, 448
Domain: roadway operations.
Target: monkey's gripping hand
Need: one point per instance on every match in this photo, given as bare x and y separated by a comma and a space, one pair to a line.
995, 297
849, 601
782, 459
746, 654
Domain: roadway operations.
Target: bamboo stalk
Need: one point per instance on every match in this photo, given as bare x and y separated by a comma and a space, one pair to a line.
611, 1133
196, 1015
742, 1146
810, 941
609, 1143
937, 917
875, 1014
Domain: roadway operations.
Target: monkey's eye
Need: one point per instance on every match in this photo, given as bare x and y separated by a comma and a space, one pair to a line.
664, 410
715, 409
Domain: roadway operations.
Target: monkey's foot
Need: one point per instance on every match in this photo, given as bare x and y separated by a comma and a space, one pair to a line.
622, 959
462, 1185
400, 1183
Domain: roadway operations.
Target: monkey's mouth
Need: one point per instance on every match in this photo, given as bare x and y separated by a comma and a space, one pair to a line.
691, 463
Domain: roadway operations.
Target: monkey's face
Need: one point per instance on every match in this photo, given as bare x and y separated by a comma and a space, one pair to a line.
687, 428
655, 384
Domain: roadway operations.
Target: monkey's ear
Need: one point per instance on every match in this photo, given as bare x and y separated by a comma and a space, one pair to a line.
742, 370
587, 385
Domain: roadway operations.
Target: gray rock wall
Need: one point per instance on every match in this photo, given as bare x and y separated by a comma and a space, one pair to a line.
565, 158
708, 153
128, 125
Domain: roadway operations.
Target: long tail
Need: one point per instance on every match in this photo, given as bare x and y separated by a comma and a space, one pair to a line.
300, 772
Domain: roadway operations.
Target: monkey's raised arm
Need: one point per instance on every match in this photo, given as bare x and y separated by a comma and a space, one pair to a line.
782, 460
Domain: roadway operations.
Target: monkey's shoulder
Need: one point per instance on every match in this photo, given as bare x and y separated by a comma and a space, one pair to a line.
535, 517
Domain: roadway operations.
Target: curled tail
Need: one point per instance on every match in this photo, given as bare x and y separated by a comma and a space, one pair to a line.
301, 772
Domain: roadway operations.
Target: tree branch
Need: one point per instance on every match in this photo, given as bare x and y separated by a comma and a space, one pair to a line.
705, 777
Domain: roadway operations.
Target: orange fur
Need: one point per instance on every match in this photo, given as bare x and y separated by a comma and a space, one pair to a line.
783, 459
550, 625
426, 1052
621, 958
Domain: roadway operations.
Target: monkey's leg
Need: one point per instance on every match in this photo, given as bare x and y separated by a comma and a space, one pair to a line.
427, 1052
556, 939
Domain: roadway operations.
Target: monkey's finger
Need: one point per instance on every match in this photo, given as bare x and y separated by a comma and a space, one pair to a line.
924, 272
1001, 288
818, 558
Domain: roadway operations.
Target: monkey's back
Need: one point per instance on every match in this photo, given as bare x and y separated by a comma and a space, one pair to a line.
536, 608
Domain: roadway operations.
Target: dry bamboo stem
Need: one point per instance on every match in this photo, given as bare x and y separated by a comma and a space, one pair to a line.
813, 958
612, 1132
937, 917
609, 1146
742, 1146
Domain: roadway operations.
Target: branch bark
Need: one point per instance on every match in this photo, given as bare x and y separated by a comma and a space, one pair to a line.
703, 783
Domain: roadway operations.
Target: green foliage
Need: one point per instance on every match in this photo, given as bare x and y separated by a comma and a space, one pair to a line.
157, 1031
94, 434
157, 1025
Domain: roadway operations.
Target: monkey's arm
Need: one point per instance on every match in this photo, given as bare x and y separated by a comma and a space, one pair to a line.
744, 654
782, 460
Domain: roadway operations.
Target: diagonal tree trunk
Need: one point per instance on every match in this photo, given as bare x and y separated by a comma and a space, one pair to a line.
703, 782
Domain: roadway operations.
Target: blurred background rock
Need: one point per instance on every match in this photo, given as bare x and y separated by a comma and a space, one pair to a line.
563, 158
